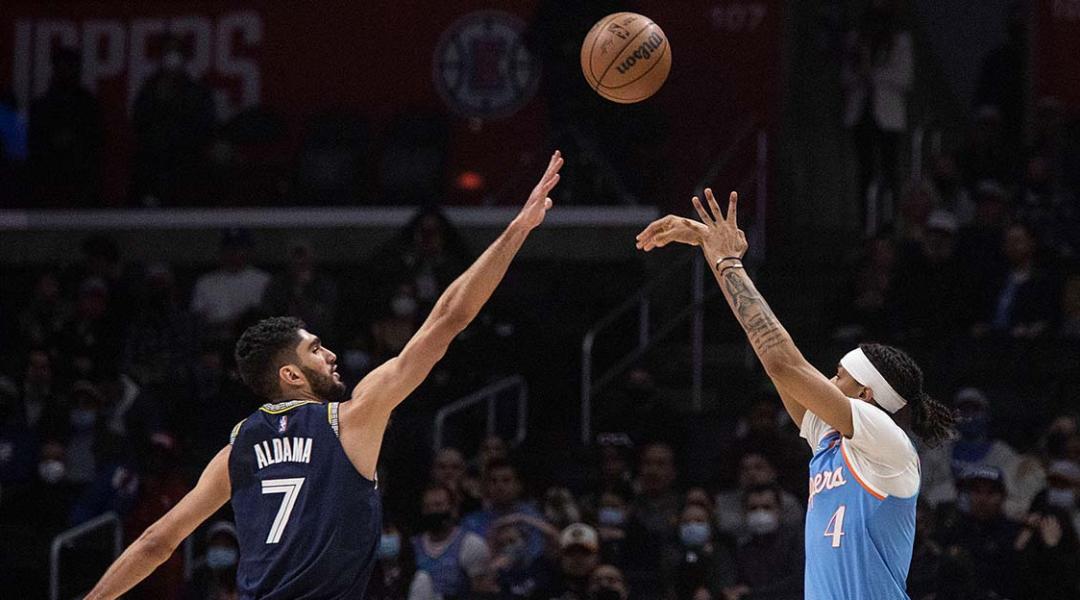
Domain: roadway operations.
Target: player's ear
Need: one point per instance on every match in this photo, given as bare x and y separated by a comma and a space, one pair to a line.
291, 375
867, 394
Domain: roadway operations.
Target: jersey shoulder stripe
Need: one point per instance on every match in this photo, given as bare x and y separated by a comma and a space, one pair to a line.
332, 416
873, 491
236, 431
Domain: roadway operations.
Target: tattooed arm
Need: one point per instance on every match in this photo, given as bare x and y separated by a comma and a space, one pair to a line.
800, 385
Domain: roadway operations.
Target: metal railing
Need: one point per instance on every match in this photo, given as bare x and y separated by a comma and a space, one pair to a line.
640, 300
66, 538
491, 394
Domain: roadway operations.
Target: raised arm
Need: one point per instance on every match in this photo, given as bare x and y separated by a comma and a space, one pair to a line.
801, 386
160, 540
364, 416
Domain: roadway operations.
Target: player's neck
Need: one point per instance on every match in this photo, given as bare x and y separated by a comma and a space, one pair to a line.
300, 394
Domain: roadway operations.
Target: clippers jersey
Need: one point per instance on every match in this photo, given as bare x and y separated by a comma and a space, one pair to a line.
858, 536
307, 522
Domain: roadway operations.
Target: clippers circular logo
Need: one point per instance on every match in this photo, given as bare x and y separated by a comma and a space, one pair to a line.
481, 65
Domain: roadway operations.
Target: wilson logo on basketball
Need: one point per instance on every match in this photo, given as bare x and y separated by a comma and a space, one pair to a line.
643, 52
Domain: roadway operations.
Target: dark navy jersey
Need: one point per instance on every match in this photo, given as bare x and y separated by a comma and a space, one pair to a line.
308, 523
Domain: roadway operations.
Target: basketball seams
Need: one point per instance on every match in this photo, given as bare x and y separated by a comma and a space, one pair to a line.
629, 43
659, 59
600, 25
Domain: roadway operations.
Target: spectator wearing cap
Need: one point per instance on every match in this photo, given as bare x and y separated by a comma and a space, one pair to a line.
981, 527
303, 291
222, 296
943, 465
769, 563
932, 301
215, 576
579, 555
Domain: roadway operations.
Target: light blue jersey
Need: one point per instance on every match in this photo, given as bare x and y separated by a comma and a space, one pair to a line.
860, 517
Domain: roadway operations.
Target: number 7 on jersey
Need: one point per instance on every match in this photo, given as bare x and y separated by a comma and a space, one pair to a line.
291, 489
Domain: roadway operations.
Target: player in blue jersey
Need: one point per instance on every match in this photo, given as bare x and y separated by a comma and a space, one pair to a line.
864, 474
301, 470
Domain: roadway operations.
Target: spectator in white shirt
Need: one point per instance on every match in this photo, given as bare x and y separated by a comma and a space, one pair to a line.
222, 296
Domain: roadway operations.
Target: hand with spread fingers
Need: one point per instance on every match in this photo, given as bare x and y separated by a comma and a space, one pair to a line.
536, 207
718, 236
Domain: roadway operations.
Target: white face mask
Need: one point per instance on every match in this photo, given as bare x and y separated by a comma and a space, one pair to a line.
1060, 497
762, 521
51, 471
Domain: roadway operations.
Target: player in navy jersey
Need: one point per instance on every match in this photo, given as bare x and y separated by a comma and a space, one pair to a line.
301, 470
864, 474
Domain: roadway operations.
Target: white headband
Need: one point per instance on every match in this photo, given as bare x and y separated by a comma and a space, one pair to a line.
864, 372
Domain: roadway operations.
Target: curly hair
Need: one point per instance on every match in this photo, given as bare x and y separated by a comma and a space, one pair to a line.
262, 349
931, 420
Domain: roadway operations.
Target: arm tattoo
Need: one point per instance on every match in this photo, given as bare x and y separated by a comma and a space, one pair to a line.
753, 313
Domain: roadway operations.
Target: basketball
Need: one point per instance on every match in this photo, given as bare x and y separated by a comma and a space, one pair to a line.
625, 57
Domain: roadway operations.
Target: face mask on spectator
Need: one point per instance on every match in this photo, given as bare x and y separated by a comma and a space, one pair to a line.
694, 534
762, 522
611, 517
403, 305
389, 546
83, 418
51, 471
1060, 497
435, 521
220, 557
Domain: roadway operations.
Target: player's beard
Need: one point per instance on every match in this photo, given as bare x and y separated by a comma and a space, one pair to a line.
324, 387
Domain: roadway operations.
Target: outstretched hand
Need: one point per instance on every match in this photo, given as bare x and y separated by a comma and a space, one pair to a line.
536, 207
719, 236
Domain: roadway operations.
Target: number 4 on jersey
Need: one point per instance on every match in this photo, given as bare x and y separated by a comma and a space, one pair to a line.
835, 527
291, 489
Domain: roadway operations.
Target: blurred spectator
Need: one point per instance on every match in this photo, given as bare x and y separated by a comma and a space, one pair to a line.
867, 307
623, 540
13, 132
979, 244
116, 482
18, 443
303, 291
215, 578
988, 155
1061, 492
173, 119
222, 296
927, 555
983, 530
1047, 208
454, 557
162, 485
66, 137
942, 466
161, 339
40, 322
502, 497
394, 330
448, 469
41, 407
560, 508
90, 338
395, 576
1022, 305
607, 583
517, 574
657, 502
932, 302
754, 471
770, 560
704, 564
960, 578
85, 429
877, 76
949, 190
580, 555
766, 429
428, 254
1048, 553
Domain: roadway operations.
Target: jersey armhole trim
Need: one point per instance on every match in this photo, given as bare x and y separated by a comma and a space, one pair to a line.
873, 491
332, 417
235, 431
